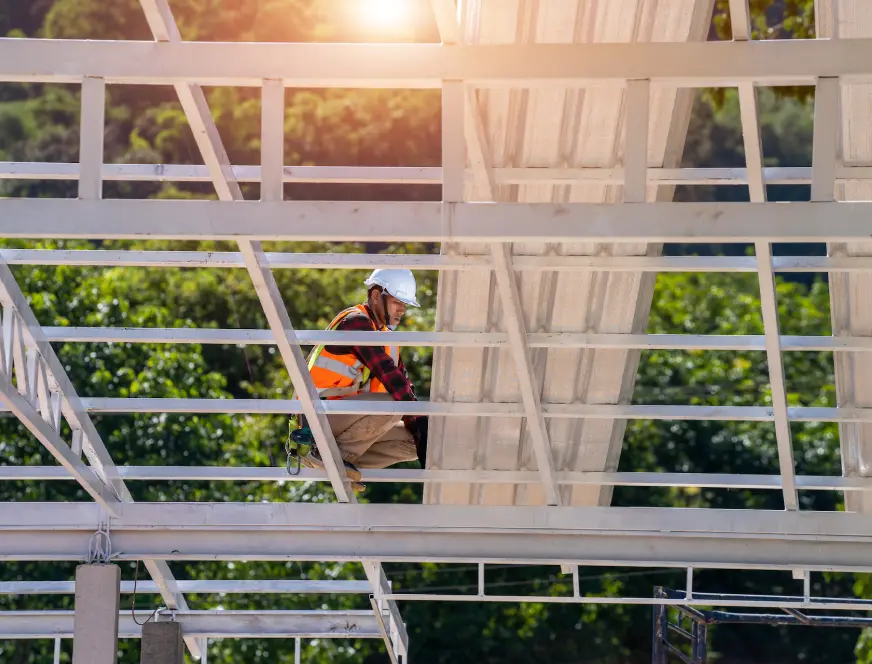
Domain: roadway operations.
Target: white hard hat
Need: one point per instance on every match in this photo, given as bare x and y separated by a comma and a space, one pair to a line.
399, 283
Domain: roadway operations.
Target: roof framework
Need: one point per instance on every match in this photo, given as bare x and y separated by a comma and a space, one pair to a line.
522, 228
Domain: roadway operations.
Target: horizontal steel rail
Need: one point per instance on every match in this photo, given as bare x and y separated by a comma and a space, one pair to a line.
392, 475
381, 221
674, 64
205, 624
283, 261
603, 536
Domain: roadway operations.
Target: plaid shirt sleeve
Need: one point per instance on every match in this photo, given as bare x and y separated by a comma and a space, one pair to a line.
393, 376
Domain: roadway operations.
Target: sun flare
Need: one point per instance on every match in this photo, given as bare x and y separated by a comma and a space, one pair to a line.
383, 13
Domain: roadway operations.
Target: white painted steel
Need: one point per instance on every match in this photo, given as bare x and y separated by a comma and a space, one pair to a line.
536, 65
421, 175
224, 586
91, 138
196, 173
813, 604
277, 261
848, 110
59, 449
465, 409
423, 222
205, 624
740, 20
768, 297
825, 142
469, 339
636, 120
370, 476
648, 537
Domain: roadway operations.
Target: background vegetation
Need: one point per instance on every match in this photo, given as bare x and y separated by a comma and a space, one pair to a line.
355, 127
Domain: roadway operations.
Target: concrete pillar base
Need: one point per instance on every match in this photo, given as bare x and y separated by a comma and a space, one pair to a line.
162, 643
95, 625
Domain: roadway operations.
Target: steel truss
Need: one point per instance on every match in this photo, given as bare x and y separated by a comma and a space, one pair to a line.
35, 388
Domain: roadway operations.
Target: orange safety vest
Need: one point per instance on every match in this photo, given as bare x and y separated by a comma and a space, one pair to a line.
341, 376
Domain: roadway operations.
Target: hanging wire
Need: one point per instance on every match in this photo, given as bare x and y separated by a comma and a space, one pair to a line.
133, 602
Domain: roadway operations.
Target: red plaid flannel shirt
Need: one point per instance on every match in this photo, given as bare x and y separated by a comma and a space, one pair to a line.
393, 376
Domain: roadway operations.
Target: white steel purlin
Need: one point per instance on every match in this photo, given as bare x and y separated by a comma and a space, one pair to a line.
423, 175
462, 409
787, 62
563, 478
440, 262
205, 624
332, 221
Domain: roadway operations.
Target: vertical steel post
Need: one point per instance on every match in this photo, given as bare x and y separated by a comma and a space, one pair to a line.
658, 649
702, 647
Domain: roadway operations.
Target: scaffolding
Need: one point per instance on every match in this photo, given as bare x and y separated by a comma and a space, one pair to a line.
505, 238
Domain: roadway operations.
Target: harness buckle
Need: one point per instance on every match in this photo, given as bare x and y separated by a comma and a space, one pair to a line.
298, 444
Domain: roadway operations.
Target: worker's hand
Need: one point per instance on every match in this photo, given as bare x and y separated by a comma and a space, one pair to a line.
419, 432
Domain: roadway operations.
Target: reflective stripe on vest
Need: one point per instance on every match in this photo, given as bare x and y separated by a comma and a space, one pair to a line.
338, 376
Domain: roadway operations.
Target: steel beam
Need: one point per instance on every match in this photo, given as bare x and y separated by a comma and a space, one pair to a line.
206, 624
201, 586
279, 260
107, 405
611, 536
676, 64
423, 222
391, 475
826, 139
91, 138
740, 20
197, 173
637, 98
768, 296
11, 170
173, 335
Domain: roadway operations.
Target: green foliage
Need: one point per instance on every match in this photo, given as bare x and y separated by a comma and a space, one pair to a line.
770, 19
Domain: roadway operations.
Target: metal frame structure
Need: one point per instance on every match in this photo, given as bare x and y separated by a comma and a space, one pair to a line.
35, 388
692, 624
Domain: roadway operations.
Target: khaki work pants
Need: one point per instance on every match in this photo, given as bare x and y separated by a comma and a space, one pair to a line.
373, 441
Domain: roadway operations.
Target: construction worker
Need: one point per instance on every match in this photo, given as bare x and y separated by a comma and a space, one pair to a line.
371, 373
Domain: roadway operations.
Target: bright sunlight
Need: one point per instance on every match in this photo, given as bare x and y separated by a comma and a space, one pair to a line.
383, 13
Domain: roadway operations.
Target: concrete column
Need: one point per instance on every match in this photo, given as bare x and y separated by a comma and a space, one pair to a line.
95, 625
162, 643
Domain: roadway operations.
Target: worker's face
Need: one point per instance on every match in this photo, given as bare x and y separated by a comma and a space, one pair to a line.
395, 308
395, 311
